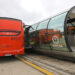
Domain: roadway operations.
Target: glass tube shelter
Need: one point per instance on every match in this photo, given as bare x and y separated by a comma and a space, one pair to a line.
55, 34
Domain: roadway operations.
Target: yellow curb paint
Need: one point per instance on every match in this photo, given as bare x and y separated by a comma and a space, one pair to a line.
33, 65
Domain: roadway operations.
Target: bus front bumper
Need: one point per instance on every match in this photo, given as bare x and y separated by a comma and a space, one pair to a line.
13, 52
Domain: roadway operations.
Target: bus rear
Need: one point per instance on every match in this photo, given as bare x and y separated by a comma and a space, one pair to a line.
11, 37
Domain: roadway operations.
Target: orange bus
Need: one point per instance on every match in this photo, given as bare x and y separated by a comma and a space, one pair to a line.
11, 36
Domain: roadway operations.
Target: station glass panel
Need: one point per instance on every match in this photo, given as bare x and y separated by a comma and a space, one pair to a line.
42, 34
43, 25
33, 28
56, 33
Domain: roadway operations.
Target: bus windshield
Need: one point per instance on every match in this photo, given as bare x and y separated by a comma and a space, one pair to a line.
10, 27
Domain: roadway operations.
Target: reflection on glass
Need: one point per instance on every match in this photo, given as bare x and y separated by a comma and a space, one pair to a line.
42, 34
56, 33
39, 36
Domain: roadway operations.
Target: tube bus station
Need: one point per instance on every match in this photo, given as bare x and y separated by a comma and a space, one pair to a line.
44, 48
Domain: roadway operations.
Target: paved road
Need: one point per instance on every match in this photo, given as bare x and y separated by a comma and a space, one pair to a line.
53, 65
13, 66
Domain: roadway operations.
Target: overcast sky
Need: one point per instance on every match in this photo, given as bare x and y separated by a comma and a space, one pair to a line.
32, 11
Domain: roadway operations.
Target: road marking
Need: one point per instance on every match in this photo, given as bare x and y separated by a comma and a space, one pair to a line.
33, 65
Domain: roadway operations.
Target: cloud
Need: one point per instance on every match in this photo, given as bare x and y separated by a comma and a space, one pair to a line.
32, 11
14, 9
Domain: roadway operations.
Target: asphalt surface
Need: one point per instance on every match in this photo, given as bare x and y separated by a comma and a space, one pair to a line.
13, 66
53, 65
